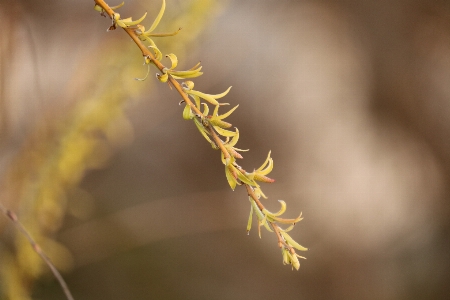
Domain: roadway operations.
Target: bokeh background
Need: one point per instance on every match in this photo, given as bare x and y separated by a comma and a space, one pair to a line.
130, 202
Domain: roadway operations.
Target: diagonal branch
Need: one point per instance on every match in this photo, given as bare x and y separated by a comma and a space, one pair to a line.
269, 220
148, 54
15, 220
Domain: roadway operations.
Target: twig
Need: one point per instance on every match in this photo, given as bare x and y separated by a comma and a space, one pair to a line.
275, 227
284, 241
15, 220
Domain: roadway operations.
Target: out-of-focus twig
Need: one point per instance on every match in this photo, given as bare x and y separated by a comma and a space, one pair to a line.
15, 220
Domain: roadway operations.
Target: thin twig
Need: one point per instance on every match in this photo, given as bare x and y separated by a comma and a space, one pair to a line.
15, 220
276, 229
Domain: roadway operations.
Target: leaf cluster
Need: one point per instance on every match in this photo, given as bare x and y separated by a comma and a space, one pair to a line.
214, 128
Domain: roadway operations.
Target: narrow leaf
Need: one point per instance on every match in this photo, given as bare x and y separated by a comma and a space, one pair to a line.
118, 6
164, 34
207, 97
244, 179
218, 96
202, 130
293, 243
224, 132
158, 18
206, 110
265, 162
131, 23
250, 218
146, 75
173, 59
231, 180
225, 115
187, 113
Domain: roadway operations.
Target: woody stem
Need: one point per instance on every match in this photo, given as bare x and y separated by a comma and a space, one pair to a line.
15, 220
147, 53
275, 227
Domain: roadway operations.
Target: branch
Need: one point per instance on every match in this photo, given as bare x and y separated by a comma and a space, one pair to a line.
211, 127
15, 220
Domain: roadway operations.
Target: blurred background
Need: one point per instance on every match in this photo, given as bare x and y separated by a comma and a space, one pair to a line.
130, 202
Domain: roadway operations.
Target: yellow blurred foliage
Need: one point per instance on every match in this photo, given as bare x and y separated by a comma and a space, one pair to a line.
59, 151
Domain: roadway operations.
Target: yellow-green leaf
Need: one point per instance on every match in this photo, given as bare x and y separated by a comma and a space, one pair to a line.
146, 75
189, 84
185, 73
219, 123
230, 178
158, 18
183, 76
187, 113
250, 219
266, 167
224, 132
291, 242
235, 139
202, 130
218, 96
163, 78
244, 179
225, 115
173, 59
197, 101
164, 34
129, 21
207, 97
280, 212
118, 6
195, 67
206, 110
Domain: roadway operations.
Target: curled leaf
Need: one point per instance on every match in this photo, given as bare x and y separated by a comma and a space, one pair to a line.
187, 113
118, 6
225, 115
206, 108
163, 78
269, 163
235, 139
146, 75
189, 85
280, 212
218, 96
158, 54
132, 23
173, 59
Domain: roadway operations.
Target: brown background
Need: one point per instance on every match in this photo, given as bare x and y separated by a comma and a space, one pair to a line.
353, 99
